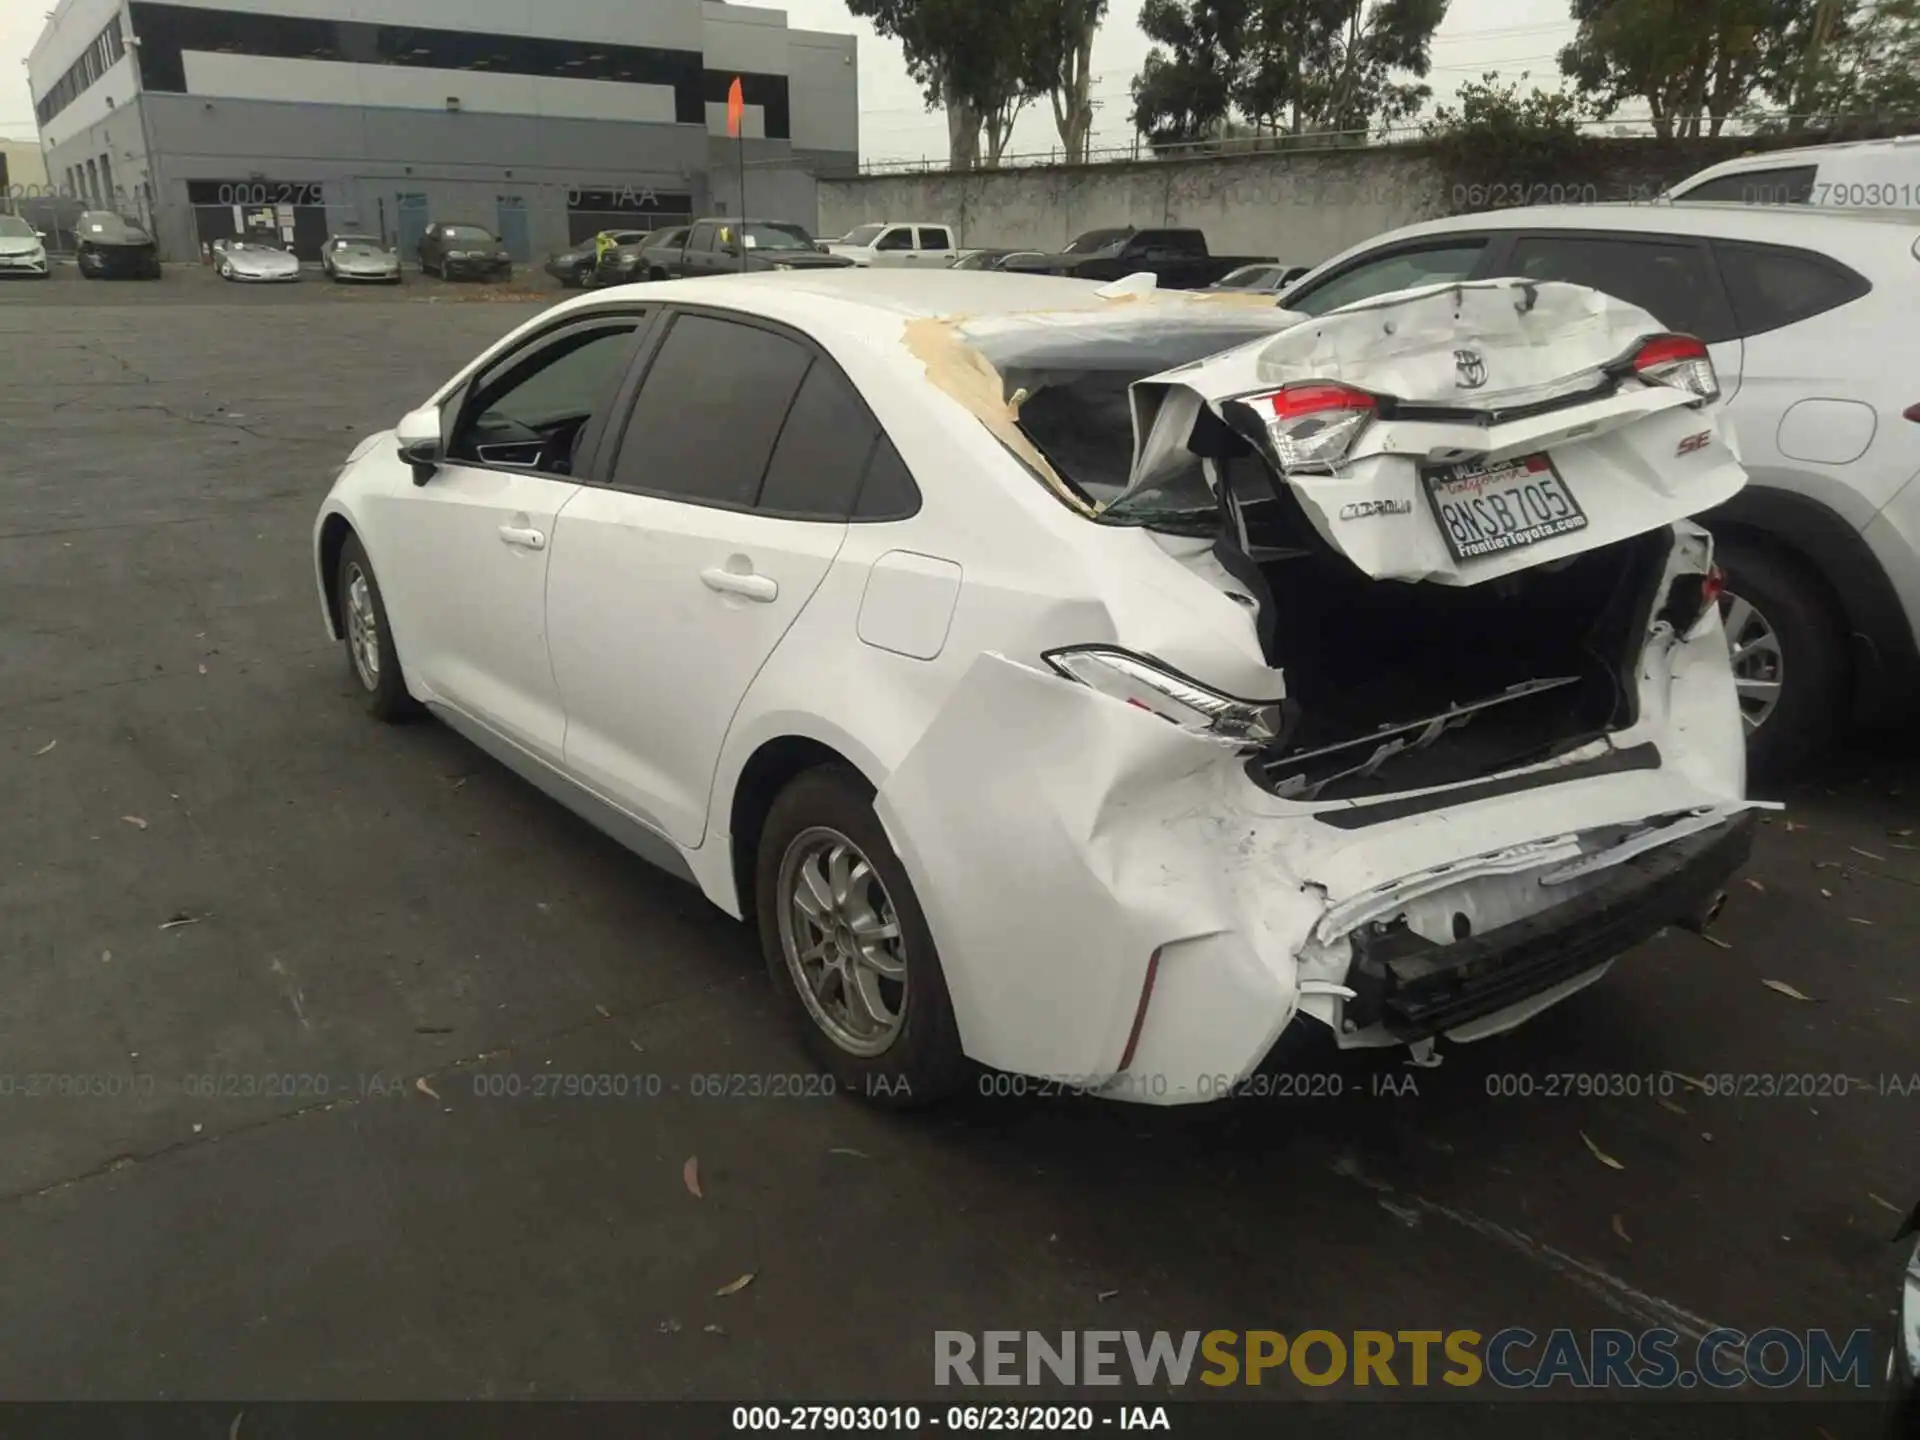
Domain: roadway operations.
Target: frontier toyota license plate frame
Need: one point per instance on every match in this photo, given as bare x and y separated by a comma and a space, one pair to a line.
1487, 509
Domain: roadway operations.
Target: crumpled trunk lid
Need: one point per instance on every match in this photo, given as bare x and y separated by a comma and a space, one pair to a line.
1486, 389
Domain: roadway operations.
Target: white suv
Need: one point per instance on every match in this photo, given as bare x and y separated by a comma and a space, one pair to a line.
1810, 319
1856, 175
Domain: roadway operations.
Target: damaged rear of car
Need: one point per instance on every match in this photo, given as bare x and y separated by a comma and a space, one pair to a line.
1420, 716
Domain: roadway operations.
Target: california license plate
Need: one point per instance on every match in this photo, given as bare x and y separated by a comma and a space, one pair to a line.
1484, 509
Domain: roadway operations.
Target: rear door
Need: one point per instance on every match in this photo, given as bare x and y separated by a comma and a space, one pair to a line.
707, 531
936, 245
1671, 277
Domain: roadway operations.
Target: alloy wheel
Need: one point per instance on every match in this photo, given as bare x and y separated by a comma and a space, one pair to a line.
1759, 669
363, 628
842, 941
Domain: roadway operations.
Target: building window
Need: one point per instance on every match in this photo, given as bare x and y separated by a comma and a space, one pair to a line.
166, 32
93, 183
98, 58
106, 179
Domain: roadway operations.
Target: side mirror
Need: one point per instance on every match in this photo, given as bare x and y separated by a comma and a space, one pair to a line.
39, 234
418, 436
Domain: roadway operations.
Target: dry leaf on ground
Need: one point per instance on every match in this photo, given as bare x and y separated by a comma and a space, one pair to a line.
135, 821
46, 747
1620, 1229
690, 1173
424, 1088
1782, 988
1599, 1154
734, 1287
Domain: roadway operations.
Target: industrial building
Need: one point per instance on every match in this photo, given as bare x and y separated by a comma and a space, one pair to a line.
544, 120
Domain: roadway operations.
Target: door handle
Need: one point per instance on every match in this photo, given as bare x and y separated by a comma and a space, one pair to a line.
524, 538
730, 582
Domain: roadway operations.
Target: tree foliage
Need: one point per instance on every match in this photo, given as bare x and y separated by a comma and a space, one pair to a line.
1698, 63
984, 63
1868, 71
1282, 66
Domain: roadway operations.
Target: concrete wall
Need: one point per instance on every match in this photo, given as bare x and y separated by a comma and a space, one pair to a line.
824, 93
1301, 208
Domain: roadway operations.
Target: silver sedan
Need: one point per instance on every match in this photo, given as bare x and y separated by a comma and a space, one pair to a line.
254, 260
359, 258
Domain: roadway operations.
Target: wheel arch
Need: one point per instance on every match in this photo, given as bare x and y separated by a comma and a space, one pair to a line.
1805, 530
772, 765
331, 540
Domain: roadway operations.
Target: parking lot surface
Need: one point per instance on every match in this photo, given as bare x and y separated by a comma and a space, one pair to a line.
305, 975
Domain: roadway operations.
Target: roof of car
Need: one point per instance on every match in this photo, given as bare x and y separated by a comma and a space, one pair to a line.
910, 294
1766, 159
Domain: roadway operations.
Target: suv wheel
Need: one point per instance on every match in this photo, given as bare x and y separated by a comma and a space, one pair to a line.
1789, 648
848, 947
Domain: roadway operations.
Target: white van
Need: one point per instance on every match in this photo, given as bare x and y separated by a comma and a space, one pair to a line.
1855, 175
916, 243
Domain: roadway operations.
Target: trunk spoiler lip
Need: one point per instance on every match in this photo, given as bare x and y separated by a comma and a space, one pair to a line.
1585, 386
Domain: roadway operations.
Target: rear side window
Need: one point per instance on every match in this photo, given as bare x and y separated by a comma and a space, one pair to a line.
714, 400
824, 447
888, 492
1769, 286
932, 237
1669, 279
1785, 185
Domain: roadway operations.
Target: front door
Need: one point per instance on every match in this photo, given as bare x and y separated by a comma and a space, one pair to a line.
469, 549
673, 582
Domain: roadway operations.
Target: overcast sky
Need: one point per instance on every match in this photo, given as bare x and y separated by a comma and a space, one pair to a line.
1479, 35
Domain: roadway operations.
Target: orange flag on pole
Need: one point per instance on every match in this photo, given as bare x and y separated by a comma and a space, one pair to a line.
736, 106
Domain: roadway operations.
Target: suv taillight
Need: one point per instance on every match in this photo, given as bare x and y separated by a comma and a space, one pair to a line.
1678, 361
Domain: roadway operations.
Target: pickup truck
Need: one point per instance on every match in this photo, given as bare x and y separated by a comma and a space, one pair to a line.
1177, 258
715, 247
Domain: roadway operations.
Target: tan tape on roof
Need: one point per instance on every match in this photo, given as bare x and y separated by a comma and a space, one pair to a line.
970, 378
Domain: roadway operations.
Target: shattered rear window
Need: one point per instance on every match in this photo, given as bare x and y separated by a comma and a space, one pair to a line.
1077, 375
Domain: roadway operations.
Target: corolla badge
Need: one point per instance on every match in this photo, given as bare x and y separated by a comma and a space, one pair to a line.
1470, 369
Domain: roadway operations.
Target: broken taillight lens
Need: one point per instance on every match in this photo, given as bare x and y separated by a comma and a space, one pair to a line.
1186, 702
1691, 598
1313, 424
1678, 361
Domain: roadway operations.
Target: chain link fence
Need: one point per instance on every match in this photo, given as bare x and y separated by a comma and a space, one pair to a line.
55, 212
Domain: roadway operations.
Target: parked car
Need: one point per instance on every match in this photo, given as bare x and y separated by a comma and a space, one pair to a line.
990, 259
109, 246
1178, 259
1261, 278
573, 267
765, 577
360, 259
255, 261
455, 252
727, 247
901, 242
1806, 314
23, 249
662, 248
1854, 175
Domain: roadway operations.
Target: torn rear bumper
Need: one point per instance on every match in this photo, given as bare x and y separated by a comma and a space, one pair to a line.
1415, 987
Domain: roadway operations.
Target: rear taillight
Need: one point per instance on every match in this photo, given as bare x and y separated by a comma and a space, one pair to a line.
1180, 699
1679, 361
1312, 425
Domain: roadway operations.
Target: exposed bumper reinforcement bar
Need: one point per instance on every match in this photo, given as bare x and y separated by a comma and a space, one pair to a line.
1416, 988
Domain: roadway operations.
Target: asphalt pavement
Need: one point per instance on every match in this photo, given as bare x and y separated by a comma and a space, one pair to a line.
288, 1000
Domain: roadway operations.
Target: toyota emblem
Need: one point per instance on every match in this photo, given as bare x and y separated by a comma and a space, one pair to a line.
1471, 368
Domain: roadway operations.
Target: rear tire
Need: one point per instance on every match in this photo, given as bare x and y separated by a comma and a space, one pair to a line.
910, 1056
1784, 629
367, 636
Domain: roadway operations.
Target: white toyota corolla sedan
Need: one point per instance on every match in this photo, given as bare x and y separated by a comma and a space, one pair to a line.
1086, 682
